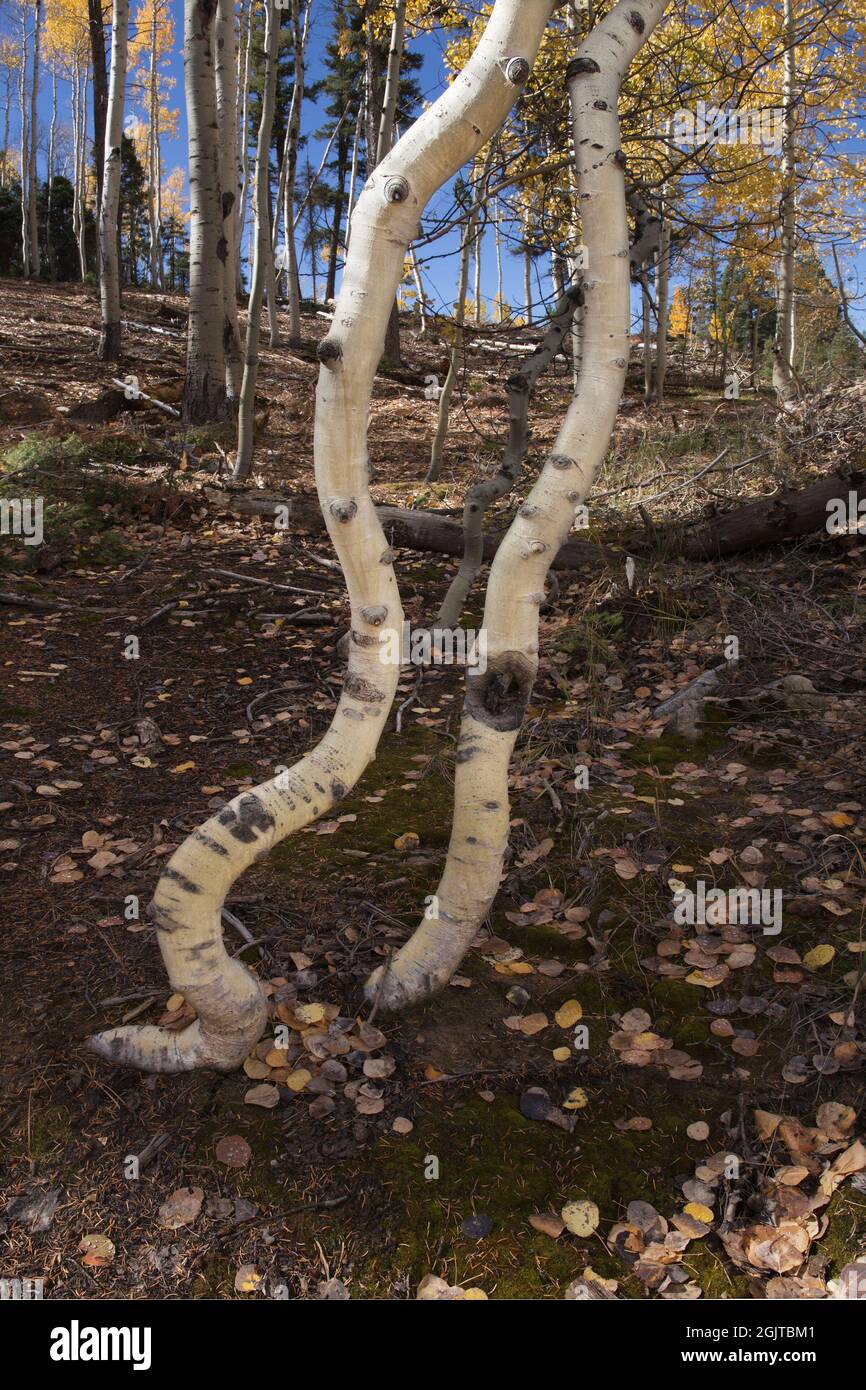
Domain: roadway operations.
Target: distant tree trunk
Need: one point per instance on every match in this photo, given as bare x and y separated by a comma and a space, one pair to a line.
500, 299
663, 292
24, 147
353, 177
437, 452
52, 137
393, 352
32, 179
204, 395
225, 75
339, 205
263, 254
527, 273
96, 32
300, 36
647, 342
482, 496
419, 289
153, 157
784, 381
241, 217
109, 265
187, 906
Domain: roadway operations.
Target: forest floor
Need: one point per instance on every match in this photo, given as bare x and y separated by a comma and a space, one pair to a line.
712, 1108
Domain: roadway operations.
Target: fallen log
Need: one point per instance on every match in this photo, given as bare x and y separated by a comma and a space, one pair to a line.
786, 515
414, 530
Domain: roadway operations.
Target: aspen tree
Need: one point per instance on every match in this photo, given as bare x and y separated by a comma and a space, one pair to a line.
262, 247
109, 258
204, 396
496, 700
189, 897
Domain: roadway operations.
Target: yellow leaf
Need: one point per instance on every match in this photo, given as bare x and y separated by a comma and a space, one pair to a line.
698, 1212
568, 1013
818, 956
581, 1218
576, 1099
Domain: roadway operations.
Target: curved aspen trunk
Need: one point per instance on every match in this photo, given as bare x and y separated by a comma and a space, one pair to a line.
496, 701
262, 253
226, 78
190, 894
204, 392
482, 496
109, 263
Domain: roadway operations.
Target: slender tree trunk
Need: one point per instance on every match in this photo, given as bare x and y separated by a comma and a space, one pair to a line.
481, 497
392, 82
24, 154
784, 381
647, 342
32, 178
96, 33
337, 224
225, 75
527, 273
496, 699
52, 136
263, 249
393, 351
109, 265
240, 221
290, 160
437, 453
189, 897
500, 300
7, 112
353, 177
153, 160
663, 292
204, 396
419, 289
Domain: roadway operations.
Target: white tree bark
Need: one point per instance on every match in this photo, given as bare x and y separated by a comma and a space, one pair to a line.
204, 394
243, 135
109, 266
392, 82
784, 381
482, 496
24, 147
32, 181
496, 700
662, 307
226, 81
263, 249
189, 897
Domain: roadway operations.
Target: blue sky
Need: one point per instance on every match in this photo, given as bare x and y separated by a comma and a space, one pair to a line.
440, 270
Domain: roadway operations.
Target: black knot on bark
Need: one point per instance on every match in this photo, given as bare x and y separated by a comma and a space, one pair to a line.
637, 21
396, 189
344, 511
620, 159
578, 67
363, 690
499, 697
600, 105
561, 461
329, 351
517, 71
